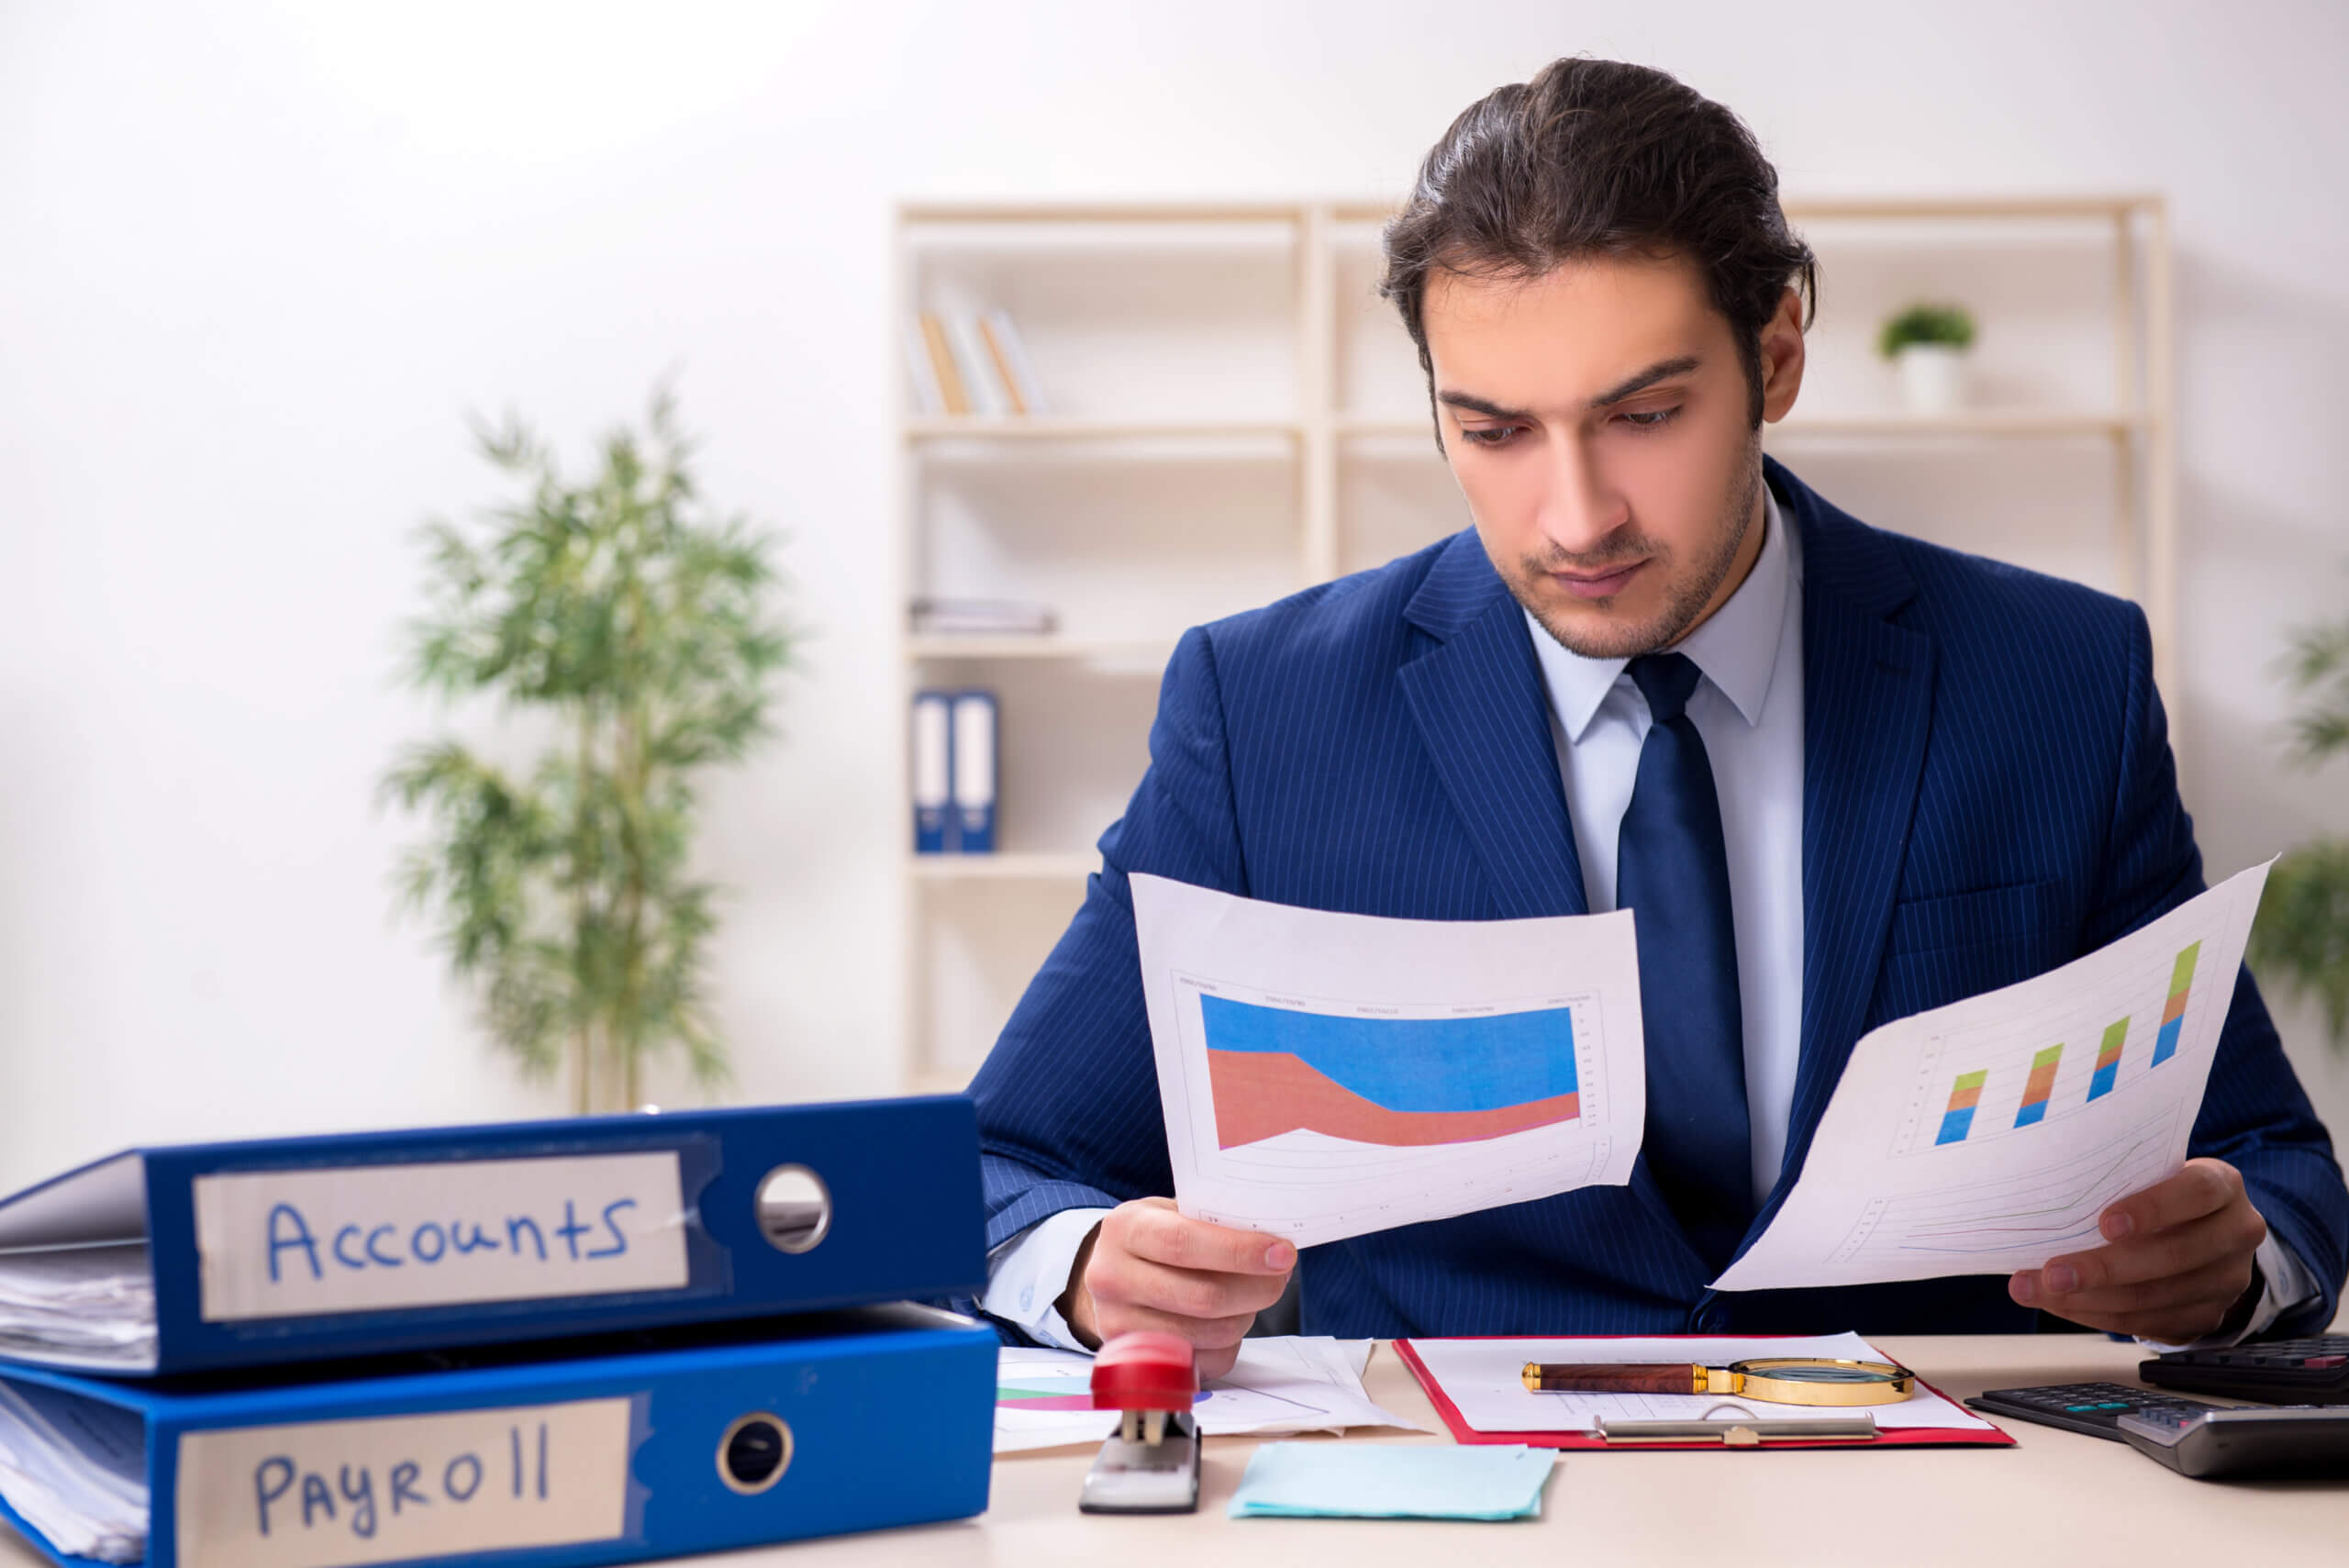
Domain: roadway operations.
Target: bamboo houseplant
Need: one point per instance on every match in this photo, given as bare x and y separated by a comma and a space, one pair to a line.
2302, 937
633, 623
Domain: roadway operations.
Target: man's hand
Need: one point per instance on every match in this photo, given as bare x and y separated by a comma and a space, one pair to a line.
2176, 1259
1148, 1267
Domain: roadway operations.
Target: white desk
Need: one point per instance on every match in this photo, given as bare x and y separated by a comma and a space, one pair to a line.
2055, 1499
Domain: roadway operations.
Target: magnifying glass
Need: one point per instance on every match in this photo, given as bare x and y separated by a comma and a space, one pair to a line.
1779, 1380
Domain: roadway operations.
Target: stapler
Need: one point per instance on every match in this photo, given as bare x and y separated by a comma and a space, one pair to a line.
1152, 1464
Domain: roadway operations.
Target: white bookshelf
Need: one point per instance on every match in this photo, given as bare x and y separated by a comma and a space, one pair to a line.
1235, 415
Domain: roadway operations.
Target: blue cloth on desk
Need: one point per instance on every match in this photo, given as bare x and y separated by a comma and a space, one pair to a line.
1393, 1481
1987, 793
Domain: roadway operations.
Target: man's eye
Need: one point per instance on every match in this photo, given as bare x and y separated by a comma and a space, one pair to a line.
1489, 435
1651, 419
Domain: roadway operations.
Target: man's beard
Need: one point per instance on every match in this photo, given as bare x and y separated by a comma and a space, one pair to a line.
1684, 601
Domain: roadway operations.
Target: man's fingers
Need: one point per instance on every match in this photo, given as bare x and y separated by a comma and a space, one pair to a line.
2229, 1234
2216, 1288
1163, 1236
1181, 1293
2204, 1186
1204, 1333
2176, 1325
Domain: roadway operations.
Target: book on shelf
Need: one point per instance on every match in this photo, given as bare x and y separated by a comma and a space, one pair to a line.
1012, 361
931, 616
980, 383
952, 397
972, 365
929, 395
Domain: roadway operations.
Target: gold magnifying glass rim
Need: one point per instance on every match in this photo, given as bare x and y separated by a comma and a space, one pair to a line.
1756, 1380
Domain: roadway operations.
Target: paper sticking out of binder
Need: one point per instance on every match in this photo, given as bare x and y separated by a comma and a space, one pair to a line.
953, 764
185, 1259
607, 1450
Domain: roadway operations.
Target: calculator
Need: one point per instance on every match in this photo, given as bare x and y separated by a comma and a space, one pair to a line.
2311, 1371
2272, 1440
2095, 1409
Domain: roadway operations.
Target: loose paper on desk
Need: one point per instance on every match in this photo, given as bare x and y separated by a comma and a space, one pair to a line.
1281, 1383
1991, 1135
1327, 1075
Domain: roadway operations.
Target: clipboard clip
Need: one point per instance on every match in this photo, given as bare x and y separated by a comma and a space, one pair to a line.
1746, 1431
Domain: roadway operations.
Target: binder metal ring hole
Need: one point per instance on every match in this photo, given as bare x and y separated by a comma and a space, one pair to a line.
794, 1208
754, 1452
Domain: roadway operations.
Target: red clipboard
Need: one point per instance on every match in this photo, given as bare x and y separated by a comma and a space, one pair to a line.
1896, 1437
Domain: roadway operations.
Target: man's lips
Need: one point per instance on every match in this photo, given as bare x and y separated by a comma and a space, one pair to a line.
1603, 585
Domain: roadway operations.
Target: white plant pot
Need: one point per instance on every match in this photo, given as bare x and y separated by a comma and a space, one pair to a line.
1932, 378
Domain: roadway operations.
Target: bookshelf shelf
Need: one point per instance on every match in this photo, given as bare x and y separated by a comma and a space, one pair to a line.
1045, 427
1236, 415
1123, 650
1033, 867
2023, 424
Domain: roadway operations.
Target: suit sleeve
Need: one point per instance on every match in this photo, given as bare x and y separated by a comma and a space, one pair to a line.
1068, 1103
2255, 1114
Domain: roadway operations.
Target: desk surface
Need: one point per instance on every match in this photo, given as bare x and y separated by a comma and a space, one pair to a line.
2056, 1497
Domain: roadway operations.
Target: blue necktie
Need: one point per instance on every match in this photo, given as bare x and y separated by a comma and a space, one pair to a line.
1672, 869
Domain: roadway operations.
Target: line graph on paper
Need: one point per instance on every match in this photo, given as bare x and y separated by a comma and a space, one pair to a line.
2042, 1211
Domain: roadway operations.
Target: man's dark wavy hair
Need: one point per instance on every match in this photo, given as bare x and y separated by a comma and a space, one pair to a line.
1598, 157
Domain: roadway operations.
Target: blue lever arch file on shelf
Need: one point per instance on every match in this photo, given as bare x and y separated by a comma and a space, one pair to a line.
174, 1259
611, 1450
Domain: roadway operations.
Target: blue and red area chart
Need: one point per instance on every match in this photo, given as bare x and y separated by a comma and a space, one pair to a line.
1396, 1082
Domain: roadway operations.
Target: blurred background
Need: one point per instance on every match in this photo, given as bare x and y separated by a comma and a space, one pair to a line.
259, 263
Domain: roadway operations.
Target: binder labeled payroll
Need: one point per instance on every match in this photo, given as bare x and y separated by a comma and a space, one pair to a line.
580, 1451
172, 1260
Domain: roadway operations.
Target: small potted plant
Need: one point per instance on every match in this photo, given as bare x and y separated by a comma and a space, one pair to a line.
1927, 344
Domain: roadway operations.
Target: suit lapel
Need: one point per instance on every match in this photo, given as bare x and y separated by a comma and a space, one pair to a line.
1477, 697
1867, 708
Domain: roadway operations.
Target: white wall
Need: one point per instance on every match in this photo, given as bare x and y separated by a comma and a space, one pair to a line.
257, 262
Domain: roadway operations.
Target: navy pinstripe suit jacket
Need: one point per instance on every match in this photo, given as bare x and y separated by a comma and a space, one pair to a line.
1987, 793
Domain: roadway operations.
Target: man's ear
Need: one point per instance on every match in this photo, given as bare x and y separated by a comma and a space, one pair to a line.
1781, 353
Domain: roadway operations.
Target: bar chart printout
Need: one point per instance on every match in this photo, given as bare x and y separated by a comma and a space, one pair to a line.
2107, 1060
1958, 1119
2039, 1087
1974, 1137
2181, 980
1328, 1075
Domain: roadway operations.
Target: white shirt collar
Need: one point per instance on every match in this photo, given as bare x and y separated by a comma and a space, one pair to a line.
1736, 648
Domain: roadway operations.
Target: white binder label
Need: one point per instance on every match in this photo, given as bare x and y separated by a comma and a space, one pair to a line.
292, 1243
327, 1493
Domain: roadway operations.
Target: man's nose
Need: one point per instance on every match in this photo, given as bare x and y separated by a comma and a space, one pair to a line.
1579, 510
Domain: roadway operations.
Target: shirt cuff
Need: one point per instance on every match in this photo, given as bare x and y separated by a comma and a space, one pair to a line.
2289, 1285
1027, 1275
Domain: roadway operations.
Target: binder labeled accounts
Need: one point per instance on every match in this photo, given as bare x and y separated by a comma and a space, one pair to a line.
172, 1260
614, 1450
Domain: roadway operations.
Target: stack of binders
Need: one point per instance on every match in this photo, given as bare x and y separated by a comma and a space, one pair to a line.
954, 772
560, 1342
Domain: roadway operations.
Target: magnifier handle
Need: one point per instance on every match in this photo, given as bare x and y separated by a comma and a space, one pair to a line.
1614, 1377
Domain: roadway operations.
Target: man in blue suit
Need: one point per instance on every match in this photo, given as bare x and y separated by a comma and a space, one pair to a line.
1840, 774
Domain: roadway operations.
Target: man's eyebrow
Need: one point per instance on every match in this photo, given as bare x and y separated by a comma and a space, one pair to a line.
1662, 370
1484, 406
